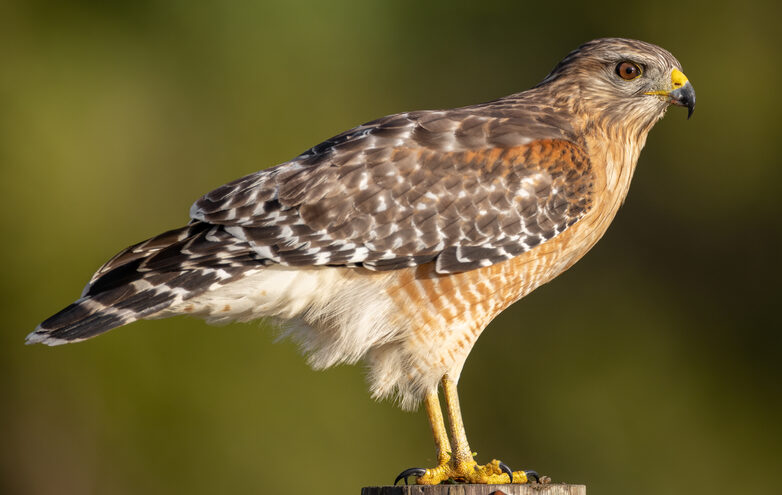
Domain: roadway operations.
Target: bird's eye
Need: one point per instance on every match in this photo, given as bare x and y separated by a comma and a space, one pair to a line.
628, 70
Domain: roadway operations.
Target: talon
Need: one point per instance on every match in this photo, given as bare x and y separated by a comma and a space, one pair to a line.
409, 472
532, 474
505, 469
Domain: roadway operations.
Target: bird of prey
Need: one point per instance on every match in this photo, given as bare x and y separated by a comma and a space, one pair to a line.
396, 242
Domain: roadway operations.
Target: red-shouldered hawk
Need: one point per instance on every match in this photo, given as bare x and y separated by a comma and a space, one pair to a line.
398, 241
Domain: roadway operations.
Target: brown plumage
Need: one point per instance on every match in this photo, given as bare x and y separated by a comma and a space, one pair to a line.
398, 241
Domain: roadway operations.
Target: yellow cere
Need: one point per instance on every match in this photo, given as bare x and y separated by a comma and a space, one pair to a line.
678, 79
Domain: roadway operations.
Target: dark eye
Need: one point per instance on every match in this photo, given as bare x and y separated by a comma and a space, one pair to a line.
628, 70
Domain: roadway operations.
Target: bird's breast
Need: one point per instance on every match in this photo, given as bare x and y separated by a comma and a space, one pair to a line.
458, 306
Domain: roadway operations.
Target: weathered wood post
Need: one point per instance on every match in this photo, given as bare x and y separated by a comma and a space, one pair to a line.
455, 489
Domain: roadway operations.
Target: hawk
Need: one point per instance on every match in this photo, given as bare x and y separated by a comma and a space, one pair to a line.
397, 242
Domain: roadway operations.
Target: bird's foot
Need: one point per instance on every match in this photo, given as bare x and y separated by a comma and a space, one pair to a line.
470, 472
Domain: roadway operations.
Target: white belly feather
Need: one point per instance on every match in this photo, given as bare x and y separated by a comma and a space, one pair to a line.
336, 315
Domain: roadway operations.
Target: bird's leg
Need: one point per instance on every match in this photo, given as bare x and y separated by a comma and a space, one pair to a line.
464, 467
462, 454
457, 464
435, 415
437, 474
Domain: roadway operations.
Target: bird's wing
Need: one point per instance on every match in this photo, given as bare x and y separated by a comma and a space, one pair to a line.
197, 251
462, 188
465, 188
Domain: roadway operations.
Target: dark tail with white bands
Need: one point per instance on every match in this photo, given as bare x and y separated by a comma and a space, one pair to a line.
147, 278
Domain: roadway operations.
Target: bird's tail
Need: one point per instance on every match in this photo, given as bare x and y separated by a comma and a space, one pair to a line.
145, 279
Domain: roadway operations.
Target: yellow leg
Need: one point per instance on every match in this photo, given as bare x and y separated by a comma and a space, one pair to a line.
437, 423
461, 453
457, 464
437, 474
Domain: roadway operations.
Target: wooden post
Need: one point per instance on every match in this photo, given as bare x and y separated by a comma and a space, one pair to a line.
456, 489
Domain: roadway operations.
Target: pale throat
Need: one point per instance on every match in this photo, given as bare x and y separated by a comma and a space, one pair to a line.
613, 176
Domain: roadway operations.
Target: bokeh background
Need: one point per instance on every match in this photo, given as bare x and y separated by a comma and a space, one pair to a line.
651, 367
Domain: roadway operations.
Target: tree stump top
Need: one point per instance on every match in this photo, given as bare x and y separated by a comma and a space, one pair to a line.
526, 489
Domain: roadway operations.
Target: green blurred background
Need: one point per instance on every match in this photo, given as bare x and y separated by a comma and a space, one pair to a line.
651, 367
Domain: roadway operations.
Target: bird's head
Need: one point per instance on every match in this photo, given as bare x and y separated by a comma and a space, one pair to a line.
624, 81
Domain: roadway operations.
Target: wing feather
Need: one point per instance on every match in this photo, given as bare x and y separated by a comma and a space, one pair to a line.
465, 188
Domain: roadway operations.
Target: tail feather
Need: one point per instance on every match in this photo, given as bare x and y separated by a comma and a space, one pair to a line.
147, 278
79, 321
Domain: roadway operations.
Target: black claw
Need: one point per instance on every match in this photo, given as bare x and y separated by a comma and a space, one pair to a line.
532, 474
505, 469
409, 472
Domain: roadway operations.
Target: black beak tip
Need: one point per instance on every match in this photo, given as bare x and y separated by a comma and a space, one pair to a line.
685, 97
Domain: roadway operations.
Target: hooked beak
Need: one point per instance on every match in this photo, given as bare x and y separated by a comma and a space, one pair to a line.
680, 93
